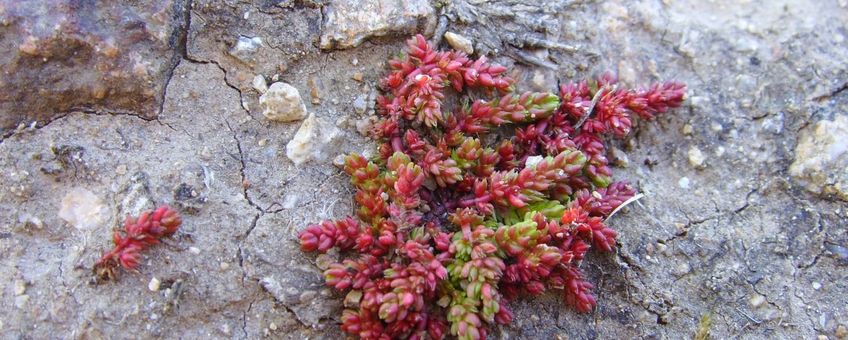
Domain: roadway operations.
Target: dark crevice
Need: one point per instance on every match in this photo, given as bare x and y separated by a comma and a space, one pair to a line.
244, 318
822, 249
226, 81
93, 112
242, 169
187, 57
296, 317
180, 53
768, 300
747, 201
833, 93
240, 255
816, 258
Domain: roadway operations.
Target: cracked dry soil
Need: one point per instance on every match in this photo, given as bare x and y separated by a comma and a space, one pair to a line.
735, 238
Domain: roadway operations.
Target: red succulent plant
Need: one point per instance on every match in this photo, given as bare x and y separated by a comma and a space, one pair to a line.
451, 227
139, 234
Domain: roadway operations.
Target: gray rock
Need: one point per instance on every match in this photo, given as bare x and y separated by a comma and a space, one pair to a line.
350, 22
68, 55
821, 158
282, 103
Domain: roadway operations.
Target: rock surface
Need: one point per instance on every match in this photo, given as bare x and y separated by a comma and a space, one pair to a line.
821, 157
281, 102
68, 55
349, 22
740, 239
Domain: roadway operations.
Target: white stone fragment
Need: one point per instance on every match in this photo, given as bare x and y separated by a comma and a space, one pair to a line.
154, 284
82, 209
696, 157
282, 103
312, 141
683, 182
259, 84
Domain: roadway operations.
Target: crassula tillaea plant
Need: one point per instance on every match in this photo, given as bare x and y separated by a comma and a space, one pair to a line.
138, 234
457, 215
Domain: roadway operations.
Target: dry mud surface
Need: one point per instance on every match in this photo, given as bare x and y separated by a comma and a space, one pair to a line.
725, 228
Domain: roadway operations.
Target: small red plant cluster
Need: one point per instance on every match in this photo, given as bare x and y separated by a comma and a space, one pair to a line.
139, 233
456, 217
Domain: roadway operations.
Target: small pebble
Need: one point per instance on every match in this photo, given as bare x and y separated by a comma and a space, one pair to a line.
817, 285
259, 84
683, 182
822, 337
756, 300
225, 266
687, 129
272, 326
357, 76
154, 284
682, 269
194, 250
841, 332
339, 161
618, 157
20, 287
662, 248
354, 61
363, 126
359, 104
121, 169
282, 103
459, 42
696, 157
716, 127
314, 91
263, 142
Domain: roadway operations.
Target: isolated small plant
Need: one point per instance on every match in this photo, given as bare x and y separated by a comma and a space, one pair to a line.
138, 234
466, 208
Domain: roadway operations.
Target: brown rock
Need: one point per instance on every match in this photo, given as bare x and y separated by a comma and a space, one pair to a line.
70, 55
